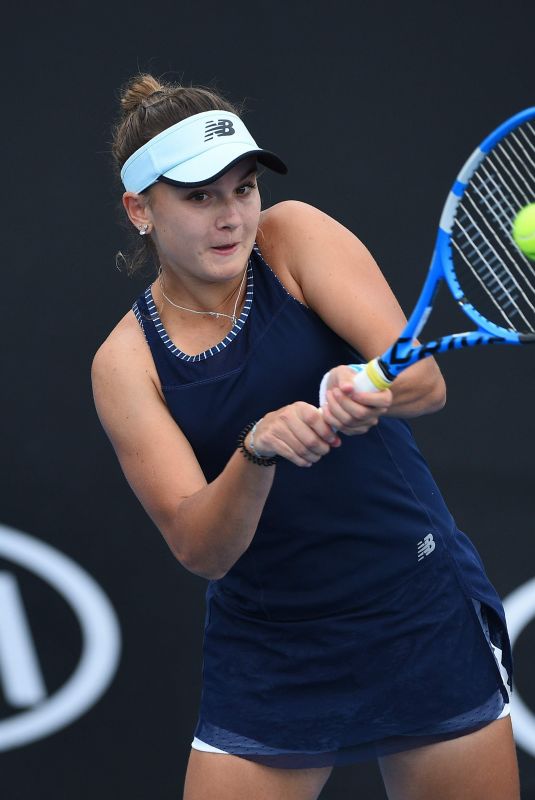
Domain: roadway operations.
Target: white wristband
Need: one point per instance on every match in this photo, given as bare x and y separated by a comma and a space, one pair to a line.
323, 388
251, 440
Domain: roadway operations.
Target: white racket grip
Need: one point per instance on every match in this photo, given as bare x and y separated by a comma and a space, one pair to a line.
370, 377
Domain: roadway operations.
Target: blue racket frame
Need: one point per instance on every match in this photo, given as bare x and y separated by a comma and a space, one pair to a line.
403, 352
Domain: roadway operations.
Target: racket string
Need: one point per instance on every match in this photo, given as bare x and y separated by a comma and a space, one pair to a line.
490, 269
495, 276
500, 241
525, 153
489, 284
506, 241
525, 197
505, 221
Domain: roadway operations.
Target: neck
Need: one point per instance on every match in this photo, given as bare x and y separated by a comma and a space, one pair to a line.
209, 304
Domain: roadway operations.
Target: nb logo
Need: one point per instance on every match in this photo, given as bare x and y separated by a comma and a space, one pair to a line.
426, 546
223, 127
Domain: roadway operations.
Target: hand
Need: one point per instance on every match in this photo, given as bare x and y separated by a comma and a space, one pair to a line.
298, 432
350, 411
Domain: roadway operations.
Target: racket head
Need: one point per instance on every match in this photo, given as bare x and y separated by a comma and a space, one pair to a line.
488, 275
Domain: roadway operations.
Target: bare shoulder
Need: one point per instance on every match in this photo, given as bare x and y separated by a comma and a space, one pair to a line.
123, 371
281, 228
124, 355
293, 235
293, 210
293, 222
126, 338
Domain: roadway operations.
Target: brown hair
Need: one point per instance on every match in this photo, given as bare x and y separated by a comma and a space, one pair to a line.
148, 107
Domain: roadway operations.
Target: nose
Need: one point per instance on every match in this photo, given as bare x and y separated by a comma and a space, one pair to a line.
228, 215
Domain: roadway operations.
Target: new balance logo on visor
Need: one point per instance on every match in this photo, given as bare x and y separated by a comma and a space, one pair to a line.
426, 546
223, 127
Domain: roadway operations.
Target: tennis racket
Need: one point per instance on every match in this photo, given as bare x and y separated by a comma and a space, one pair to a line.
475, 254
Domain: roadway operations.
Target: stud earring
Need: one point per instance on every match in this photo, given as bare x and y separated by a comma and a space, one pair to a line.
143, 230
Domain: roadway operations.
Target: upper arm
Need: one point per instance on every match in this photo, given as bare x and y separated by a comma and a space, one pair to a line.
337, 277
154, 454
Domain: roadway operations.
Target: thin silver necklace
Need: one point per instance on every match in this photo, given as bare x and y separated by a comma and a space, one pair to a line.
215, 314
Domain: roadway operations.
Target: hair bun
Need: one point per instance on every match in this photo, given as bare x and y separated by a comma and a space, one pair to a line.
137, 90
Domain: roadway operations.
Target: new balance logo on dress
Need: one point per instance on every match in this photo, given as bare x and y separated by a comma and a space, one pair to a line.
223, 127
426, 546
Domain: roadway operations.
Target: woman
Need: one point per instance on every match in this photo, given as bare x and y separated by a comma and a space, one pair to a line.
347, 617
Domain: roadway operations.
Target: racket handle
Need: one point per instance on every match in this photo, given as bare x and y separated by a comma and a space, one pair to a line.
370, 377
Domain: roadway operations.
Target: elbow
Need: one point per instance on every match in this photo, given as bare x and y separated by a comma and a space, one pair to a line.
201, 564
188, 545
202, 569
432, 387
436, 396
432, 399
418, 394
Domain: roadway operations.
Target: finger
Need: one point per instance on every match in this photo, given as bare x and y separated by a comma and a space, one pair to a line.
333, 425
344, 410
364, 405
286, 446
379, 400
309, 440
280, 440
358, 429
332, 421
355, 421
349, 430
315, 425
285, 451
323, 425
292, 440
299, 433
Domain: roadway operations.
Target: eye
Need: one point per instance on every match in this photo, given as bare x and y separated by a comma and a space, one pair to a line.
198, 197
247, 188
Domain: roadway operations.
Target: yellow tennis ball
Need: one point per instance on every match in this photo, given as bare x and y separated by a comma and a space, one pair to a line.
524, 230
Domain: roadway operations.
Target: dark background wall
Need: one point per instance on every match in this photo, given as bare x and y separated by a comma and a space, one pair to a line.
374, 107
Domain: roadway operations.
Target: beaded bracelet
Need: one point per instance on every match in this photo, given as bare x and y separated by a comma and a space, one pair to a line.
263, 461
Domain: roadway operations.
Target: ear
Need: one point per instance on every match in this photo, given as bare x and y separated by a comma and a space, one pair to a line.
137, 209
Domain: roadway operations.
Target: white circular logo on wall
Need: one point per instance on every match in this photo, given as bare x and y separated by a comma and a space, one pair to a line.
520, 611
20, 676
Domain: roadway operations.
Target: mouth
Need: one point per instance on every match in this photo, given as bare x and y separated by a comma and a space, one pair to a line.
226, 249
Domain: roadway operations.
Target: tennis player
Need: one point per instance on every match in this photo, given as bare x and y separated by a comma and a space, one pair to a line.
347, 617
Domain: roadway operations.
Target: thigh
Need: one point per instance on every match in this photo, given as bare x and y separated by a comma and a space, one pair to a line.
215, 776
480, 765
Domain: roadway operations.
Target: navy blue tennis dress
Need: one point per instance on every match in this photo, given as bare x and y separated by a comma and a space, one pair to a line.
358, 622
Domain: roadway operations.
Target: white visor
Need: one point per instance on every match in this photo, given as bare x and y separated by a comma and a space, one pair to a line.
194, 152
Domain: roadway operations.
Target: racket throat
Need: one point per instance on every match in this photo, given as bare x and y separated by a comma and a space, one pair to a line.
383, 371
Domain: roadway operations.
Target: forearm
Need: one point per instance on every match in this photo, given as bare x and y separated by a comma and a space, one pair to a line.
214, 527
352, 411
417, 391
